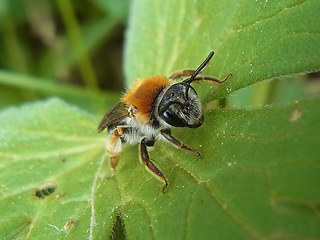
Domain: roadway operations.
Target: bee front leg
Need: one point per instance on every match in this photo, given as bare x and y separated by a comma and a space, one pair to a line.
144, 158
167, 135
114, 146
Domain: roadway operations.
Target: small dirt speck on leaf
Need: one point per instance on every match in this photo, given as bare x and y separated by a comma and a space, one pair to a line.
295, 115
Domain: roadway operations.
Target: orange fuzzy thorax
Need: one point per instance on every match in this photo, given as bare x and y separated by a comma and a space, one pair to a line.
143, 94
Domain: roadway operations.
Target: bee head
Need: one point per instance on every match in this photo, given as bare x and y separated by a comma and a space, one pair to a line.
180, 106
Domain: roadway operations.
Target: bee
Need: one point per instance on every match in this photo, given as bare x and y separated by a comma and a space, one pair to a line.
150, 109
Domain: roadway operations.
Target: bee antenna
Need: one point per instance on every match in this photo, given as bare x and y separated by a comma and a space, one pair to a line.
188, 81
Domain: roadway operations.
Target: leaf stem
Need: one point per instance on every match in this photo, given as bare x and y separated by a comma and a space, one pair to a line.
51, 87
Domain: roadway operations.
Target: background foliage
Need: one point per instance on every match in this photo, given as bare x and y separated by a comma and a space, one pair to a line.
260, 171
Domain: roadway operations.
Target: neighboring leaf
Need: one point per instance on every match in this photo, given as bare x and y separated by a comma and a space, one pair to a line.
88, 99
258, 178
253, 40
279, 91
10, 96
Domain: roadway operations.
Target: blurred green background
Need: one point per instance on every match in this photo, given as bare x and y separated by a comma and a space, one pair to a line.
74, 50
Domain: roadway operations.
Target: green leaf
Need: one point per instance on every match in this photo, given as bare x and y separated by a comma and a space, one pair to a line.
253, 40
257, 179
45, 144
89, 99
279, 91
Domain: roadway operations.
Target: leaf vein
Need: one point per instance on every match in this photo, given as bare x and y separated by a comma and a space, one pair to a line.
232, 216
95, 185
188, 213
269, 17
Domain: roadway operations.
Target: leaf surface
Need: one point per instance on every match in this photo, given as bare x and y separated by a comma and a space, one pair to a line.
256, 179
253, 40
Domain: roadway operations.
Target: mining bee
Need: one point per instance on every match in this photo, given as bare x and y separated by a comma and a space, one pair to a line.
150, 109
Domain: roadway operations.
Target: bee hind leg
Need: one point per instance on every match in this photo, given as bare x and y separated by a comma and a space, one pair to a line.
211, 79
144, 158
179, 74
166, 133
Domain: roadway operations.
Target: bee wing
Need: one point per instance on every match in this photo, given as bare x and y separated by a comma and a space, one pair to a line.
115, 114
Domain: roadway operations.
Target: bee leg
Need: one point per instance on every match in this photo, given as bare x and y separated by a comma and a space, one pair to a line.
114, 148
144, 158
167, 135
211, 80
179, 74
115, 145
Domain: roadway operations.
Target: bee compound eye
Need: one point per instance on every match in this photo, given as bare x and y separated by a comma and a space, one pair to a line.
172, 119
